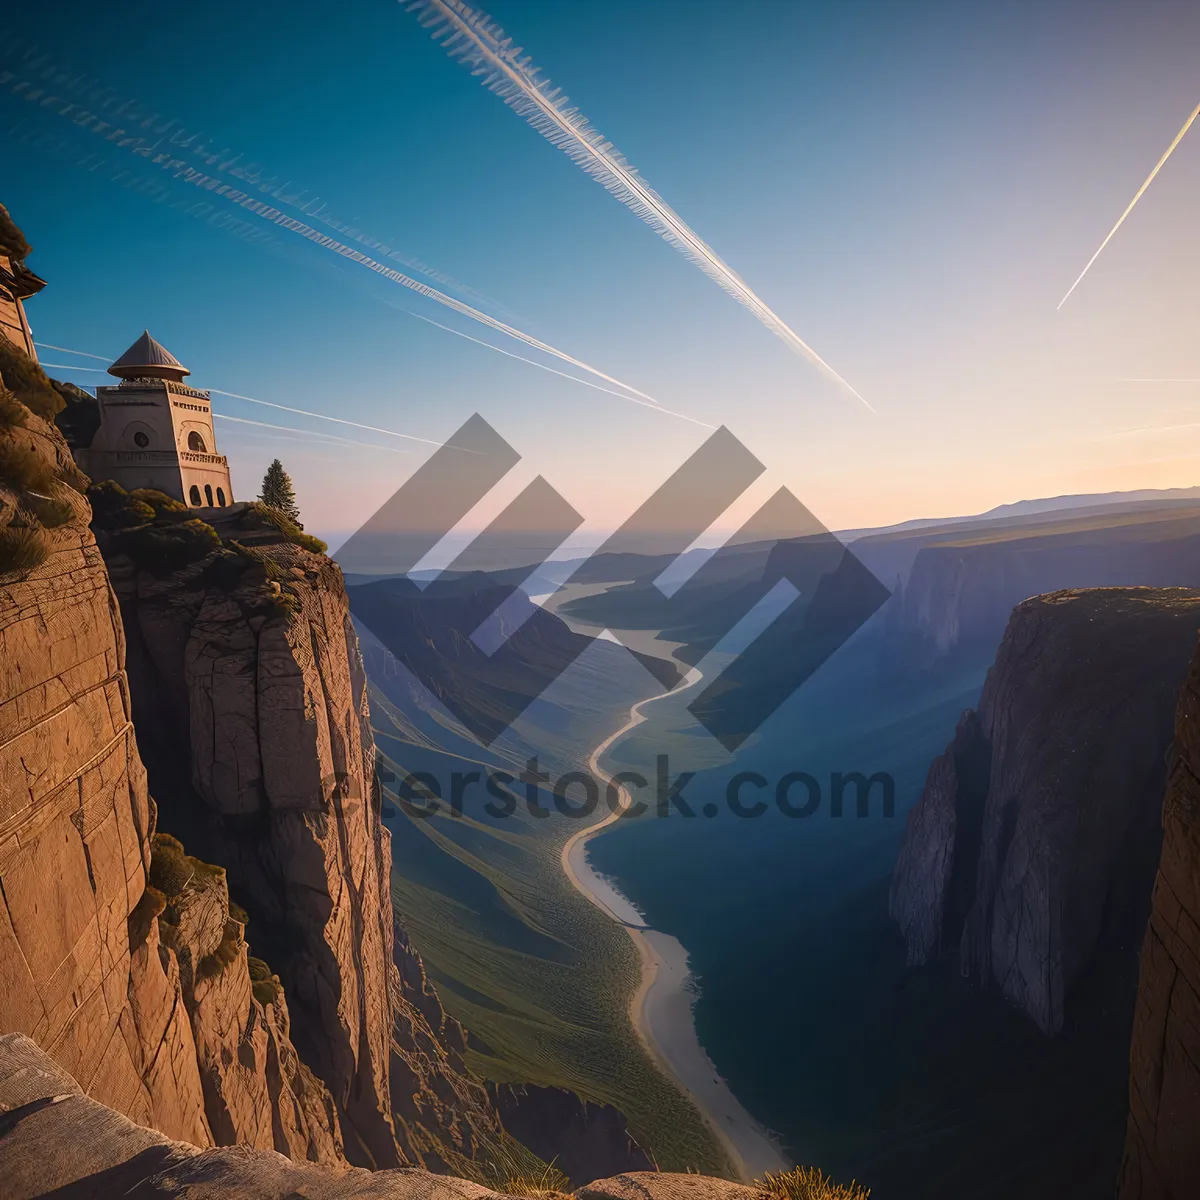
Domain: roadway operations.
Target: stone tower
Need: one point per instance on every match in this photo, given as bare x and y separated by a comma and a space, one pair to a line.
156, 432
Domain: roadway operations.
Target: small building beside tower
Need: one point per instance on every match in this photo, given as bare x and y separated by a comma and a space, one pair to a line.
157, 432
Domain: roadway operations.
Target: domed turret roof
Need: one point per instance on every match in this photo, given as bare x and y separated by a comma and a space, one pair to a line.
147, 358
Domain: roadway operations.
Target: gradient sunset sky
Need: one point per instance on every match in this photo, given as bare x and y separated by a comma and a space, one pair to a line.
911, 187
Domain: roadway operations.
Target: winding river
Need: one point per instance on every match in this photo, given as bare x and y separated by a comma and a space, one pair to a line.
661, 1008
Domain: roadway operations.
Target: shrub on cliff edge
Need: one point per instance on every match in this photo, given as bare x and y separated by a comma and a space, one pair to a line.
12, 240
288, 528
12, 411
29, 382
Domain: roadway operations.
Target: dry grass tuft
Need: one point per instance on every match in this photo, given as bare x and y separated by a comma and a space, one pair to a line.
22, 548
504, 1165
50, 511
807, 1183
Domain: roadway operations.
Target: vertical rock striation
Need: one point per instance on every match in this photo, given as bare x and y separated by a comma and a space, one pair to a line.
1035, 840
1162, 1149
92, 988
251, 706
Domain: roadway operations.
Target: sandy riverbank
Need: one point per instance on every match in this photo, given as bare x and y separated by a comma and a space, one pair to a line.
661, 1007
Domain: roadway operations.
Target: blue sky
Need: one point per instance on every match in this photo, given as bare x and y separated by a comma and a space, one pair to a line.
910, 187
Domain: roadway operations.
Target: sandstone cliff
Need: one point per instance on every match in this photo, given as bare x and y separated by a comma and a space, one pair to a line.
76, 812
250, 703
1162, 1151
1035, 840
150, 1005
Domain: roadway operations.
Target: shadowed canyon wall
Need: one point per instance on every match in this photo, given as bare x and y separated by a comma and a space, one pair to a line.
1162, 1150
1036, 837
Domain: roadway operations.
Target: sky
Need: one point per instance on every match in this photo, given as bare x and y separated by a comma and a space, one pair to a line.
911, 188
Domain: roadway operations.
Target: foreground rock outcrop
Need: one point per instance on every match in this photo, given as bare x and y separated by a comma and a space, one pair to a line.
1036, 837
56, 1141
1162, 1150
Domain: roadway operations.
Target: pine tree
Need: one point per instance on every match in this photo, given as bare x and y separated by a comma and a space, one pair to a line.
278, 493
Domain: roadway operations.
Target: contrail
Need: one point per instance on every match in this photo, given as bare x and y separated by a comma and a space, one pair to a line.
1138, 195
337, 420
37, 68
325, 437
304, 412
508, 354
176, 167
474, 39
1148, 380
68, 350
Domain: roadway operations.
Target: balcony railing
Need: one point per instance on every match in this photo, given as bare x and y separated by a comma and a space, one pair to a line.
161, 456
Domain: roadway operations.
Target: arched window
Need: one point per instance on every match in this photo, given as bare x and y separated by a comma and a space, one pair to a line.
194, 496
208, 494
196, 442
220, 497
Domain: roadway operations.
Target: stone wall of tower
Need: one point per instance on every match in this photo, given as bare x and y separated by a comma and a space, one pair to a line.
159, 434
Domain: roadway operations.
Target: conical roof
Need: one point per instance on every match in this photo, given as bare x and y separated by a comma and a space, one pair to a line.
148, 358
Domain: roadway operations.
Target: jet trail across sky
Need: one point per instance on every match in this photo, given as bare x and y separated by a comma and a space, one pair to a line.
1137, 196
321, 437
586, 383
304, 412
475, 40
173, 163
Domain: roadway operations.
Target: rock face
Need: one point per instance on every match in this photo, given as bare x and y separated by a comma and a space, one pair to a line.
583, 1139
75, 821
141, 1019
56, 1141
1037, 834
251, 707
956, 599
256, 1090
1162, 1150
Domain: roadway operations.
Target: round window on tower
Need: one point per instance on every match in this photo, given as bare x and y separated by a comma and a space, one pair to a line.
140, 440
196, 442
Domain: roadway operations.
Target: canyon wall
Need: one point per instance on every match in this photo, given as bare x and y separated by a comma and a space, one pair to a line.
1034, 843
251, 708
76, 815
1162, 1149
147, 1000
962, 585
